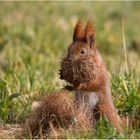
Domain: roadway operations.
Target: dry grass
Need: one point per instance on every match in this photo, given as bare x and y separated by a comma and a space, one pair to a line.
77, 72
11, 131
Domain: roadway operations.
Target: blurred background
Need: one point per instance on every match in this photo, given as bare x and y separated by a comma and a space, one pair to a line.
34, 36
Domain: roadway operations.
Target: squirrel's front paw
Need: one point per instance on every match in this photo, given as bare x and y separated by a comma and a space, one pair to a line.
80, 87
70, 88
73, 88
84, 87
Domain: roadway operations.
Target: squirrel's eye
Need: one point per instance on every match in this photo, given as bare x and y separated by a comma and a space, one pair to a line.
83, 51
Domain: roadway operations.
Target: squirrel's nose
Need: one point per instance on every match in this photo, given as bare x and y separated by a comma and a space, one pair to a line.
70, 59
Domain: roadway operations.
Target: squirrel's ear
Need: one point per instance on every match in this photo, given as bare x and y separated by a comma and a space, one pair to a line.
90, 33
77, 30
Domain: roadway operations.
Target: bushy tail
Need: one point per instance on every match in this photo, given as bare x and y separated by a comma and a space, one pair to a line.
56, 113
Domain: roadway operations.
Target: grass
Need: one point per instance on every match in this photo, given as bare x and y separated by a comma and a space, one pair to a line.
34, 36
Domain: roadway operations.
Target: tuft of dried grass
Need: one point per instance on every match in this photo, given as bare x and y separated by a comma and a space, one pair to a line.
77, 72
56, 114
9, 131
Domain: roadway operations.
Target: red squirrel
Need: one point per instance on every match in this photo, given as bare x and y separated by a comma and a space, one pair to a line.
84, 69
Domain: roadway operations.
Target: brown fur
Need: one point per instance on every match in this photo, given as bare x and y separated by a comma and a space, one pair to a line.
78, 31
57, 112
87, 72
84, 72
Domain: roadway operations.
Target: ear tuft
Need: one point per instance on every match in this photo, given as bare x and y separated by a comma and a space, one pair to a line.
78, 30
90, 32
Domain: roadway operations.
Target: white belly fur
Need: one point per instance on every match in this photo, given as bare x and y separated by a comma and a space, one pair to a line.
93, 99
89, 98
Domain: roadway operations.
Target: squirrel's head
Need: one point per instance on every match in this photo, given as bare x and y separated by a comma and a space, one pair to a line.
83, 45
83, 61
